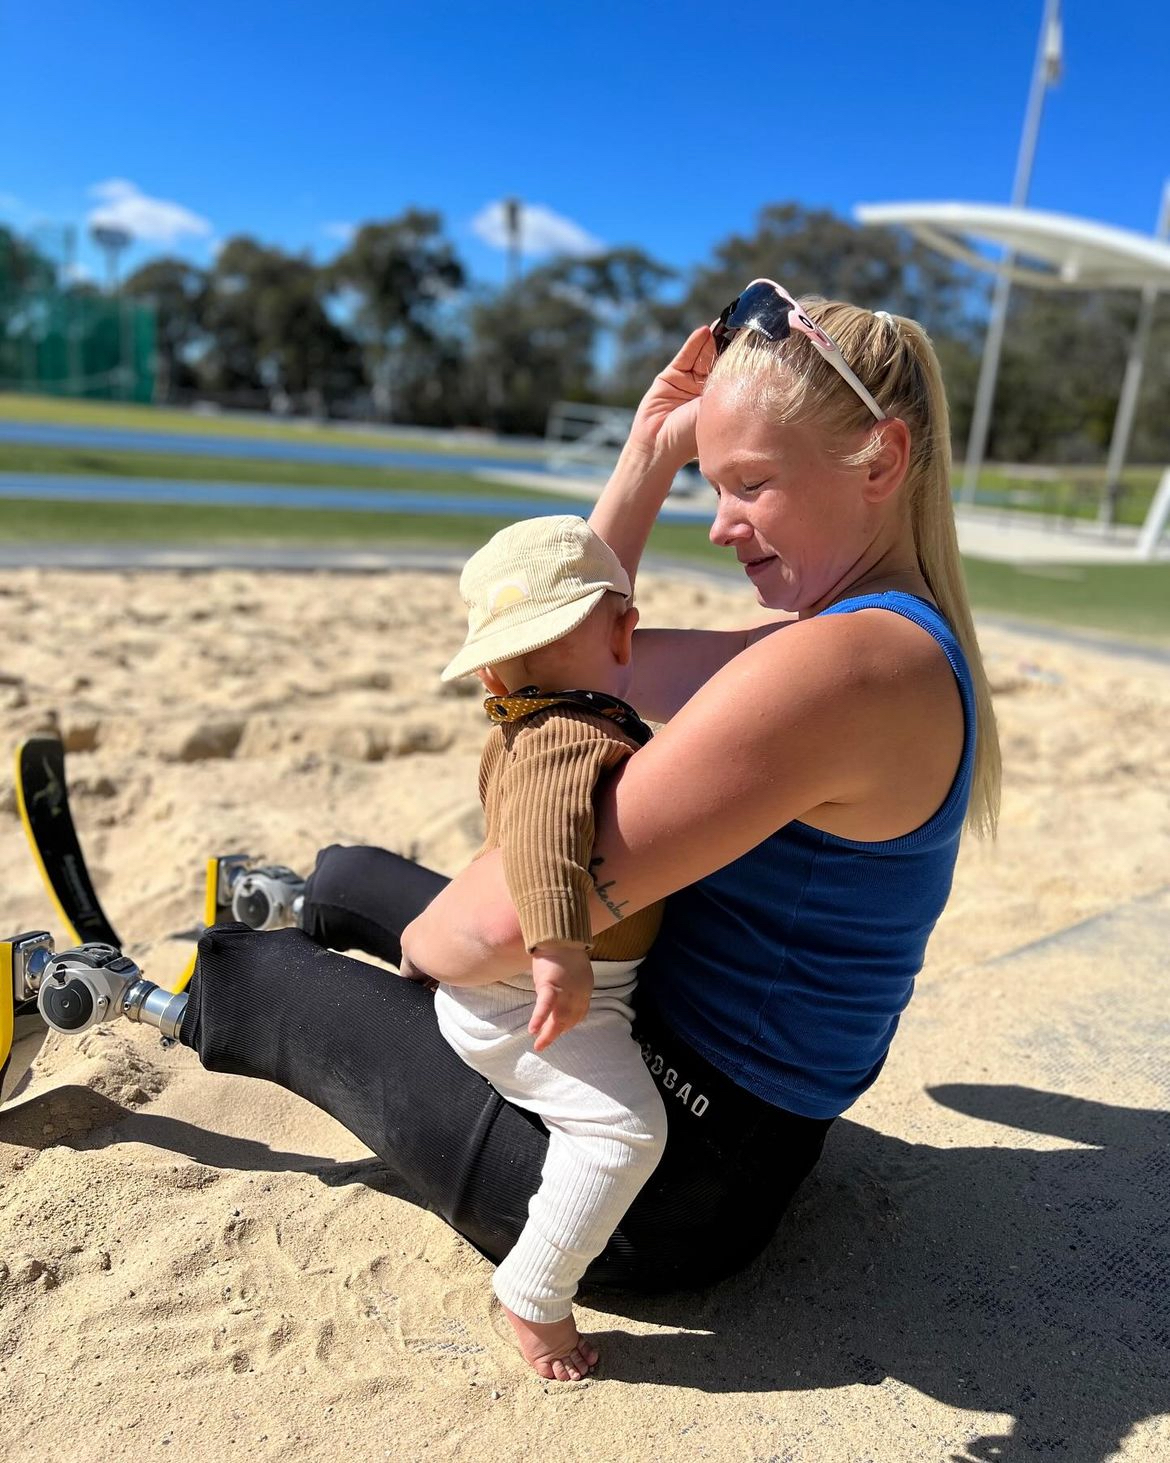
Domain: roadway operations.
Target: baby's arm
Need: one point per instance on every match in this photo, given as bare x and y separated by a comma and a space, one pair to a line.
551, 769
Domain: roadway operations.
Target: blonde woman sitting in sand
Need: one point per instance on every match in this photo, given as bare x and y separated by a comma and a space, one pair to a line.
551, 625
800, 811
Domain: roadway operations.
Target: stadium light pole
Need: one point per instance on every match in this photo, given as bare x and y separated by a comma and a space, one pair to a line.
512, 209
1049, 59
72, 342
112, 240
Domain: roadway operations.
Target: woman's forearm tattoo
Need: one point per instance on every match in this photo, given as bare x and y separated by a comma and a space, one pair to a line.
605, 891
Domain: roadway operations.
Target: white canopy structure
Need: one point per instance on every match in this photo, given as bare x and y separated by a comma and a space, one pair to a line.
1054, 251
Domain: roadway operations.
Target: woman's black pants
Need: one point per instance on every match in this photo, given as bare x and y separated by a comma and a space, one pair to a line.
363, 1044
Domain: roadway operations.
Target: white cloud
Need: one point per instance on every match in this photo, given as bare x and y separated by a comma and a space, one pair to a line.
9, 203
123, 205
342, 232
78, 273
541, 231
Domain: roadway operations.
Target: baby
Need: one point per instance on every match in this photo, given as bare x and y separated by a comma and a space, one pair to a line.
550, 628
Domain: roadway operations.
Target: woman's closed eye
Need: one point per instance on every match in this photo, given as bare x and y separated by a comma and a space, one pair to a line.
743, 487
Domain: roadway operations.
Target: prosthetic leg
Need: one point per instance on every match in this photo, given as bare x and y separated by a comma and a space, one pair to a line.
44, 990
41, 991
263, 897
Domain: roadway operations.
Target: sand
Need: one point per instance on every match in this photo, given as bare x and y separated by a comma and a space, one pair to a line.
190, 1261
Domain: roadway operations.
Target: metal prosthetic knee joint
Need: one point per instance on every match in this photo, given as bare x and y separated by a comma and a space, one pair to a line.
75, 989
70, 992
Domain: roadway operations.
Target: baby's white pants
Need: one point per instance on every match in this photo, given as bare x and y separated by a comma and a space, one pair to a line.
604, 1115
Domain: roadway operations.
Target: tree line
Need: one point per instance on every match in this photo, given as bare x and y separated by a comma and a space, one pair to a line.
394, 329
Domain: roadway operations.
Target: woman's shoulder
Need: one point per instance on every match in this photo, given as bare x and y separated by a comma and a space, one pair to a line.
870, 643
882, 686
866, 680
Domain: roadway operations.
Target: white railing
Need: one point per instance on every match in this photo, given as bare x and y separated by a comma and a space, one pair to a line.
583, 435
583, 439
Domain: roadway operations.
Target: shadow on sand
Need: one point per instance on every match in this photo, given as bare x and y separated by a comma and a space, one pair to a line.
1000, 1279
74, 1116
997, 1279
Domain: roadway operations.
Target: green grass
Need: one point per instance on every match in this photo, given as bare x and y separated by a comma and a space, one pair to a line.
1117, 599
185, 467
1075, 494
1127, 600
16, 407
36, 521
195, 525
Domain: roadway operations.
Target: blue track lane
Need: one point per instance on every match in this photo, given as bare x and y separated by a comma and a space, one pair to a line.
48, 434
52, 488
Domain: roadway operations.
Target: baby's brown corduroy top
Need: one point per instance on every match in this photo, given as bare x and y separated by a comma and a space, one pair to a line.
536, 781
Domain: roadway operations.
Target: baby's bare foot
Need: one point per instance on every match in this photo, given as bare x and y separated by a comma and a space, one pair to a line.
554, 1349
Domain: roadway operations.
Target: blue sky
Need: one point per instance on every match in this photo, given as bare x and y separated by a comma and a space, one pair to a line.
665, 126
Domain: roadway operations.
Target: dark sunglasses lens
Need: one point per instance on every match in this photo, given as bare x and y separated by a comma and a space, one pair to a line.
719, 331
758, 308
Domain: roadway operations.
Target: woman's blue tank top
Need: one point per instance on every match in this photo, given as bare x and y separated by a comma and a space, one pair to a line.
789, 968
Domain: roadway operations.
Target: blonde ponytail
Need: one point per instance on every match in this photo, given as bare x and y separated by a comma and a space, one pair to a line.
895, 360
932, 521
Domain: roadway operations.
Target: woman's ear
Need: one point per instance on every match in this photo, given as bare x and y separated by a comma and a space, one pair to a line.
622, 639
885, 472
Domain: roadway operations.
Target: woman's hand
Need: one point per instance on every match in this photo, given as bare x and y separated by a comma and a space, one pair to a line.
665, 420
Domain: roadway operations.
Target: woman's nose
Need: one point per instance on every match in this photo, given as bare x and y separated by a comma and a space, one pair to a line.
729, 526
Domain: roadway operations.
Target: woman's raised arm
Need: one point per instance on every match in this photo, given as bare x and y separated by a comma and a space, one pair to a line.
662, 440
669, 665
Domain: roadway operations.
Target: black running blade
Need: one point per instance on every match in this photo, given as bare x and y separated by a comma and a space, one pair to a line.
43, 800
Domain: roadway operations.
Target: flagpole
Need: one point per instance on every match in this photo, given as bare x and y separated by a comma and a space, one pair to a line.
1046, 74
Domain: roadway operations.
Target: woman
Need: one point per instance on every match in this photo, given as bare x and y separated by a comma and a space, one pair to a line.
802, 806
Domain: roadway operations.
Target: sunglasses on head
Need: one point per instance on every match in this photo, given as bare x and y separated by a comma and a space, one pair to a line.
772, 312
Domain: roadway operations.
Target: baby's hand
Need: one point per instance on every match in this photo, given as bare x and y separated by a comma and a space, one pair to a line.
563, 977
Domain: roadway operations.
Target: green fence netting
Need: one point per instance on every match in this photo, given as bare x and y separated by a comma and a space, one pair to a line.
72, 342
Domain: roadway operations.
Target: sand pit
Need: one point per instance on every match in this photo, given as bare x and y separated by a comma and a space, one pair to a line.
188, 1261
